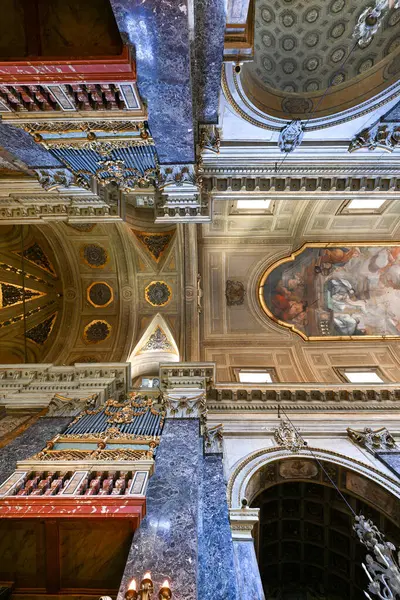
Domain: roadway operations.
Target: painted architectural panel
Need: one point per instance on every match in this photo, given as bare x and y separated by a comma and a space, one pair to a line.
334, 291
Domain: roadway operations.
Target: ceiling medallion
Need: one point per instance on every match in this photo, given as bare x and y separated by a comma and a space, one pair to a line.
94, 255
96, 332
158, 293
100, 294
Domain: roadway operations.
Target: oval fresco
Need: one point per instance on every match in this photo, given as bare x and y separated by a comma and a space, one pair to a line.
349, 291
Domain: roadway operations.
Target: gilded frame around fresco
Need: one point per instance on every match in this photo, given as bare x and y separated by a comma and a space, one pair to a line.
292, 257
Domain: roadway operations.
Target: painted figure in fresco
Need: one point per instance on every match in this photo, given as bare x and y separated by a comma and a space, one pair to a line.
342, 296
337, 291
347, 325
334, 257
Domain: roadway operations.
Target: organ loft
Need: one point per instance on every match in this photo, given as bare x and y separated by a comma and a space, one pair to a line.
199, 299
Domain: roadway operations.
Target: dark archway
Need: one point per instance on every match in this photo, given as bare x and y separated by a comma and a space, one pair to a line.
307, 549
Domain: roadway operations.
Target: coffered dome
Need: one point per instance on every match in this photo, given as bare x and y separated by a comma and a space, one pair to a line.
302, 48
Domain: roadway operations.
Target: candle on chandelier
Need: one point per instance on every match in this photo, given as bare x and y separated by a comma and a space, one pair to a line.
166, 584
132, 585
147, 575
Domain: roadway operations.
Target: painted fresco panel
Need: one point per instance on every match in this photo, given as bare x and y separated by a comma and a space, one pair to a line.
336, 291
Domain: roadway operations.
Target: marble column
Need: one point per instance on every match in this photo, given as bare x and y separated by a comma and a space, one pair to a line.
161, 34
247, 571
217, 571
210, 21
166, 542
30, 442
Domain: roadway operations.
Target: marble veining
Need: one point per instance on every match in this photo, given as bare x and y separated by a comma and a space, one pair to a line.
166, 542
248, 574
159, 32
29, 443
210, 19
217, 577
21, 145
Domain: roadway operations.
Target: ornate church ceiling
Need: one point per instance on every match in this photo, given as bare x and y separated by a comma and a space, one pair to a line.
300, 45
306, 47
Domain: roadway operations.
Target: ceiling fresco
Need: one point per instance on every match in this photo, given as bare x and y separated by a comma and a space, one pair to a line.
336, 291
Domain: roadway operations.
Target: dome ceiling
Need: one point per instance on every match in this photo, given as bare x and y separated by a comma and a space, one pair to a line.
299, 50
299, 46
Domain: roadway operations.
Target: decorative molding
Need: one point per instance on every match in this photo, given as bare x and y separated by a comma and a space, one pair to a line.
187, 376
192, 406
63, 406
209, 138
242, 522
291, 136
309, 397
309, 181
374, 440
384, 136
30, 386
54, 178
287, 437
234, 293
213, 439
245, 470
178, 176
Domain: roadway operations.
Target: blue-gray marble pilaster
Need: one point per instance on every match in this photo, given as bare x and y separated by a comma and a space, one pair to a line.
247, 572
210, 22
159, 32
391, 460
30, 442
217, 573
166, 542
21, 145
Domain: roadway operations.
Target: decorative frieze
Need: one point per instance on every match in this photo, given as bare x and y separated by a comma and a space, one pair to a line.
302, 397
309, 181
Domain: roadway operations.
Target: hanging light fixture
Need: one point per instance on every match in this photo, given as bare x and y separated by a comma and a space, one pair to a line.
371, 19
